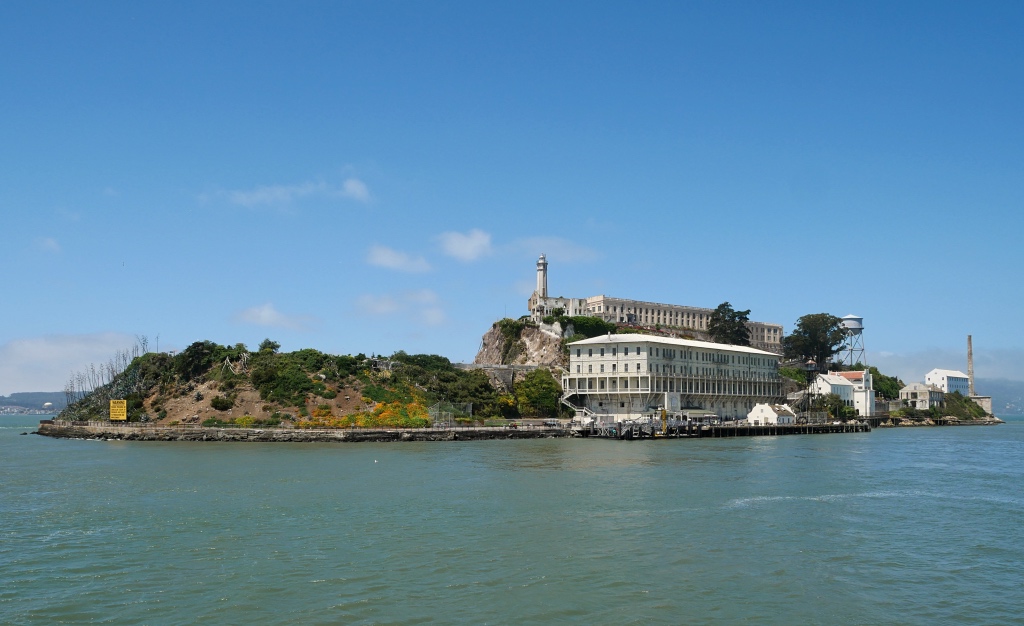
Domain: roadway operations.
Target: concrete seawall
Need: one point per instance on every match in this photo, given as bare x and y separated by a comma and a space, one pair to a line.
66, 430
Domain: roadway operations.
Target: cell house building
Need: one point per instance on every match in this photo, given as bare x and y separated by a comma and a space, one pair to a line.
614, 378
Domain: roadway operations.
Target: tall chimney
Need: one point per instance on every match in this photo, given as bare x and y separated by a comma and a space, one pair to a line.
970, 367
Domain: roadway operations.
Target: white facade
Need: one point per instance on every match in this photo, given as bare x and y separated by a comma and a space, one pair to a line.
825, 384
948, 381
863, 391
765, 414
617, 377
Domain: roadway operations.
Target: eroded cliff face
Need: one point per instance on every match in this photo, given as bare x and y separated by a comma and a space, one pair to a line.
516, 344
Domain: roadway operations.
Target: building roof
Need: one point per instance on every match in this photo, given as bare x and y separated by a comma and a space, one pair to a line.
670, 341
832, 379
948, 373
921, 387
850, 375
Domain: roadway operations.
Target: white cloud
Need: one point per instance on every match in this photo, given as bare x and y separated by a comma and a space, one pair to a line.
466, 246
356, 189
46, 363
286, 195
557, 250
275, 195
422, 306
377, 305
267, 315
48, 244
432, 316
382, 256
422, 296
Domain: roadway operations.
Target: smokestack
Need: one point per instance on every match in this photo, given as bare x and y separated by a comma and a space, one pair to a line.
970, 367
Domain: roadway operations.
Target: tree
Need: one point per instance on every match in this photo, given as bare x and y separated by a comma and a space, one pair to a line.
269, 346
817, 336
538, 393
727, 325
886, 386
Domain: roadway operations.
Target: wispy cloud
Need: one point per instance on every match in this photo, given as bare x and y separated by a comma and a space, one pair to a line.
466, 246
377, 305
355, 189
422, 306
275, 194
267, 315
287, 195
48, 244
383, 256
46, 363
557, 249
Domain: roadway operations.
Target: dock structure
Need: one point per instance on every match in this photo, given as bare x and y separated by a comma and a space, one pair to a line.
694, 430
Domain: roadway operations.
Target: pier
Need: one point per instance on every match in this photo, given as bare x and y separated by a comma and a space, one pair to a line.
621, 431
630, 431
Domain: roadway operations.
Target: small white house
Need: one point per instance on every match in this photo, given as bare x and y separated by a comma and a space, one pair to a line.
948, 381
764, 414
825, 384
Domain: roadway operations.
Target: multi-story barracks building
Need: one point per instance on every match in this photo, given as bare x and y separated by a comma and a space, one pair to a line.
613, 378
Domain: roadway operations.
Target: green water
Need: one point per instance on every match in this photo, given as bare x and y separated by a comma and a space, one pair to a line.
911, 526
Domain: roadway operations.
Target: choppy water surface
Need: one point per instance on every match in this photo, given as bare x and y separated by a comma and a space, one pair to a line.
913, 526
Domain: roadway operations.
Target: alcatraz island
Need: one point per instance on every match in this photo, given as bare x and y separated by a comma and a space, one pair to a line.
587, 367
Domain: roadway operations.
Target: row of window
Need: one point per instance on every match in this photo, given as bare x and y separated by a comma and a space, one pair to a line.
671, 353
672, 386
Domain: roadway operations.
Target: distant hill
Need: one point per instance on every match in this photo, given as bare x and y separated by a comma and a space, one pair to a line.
1007, 395
35, 399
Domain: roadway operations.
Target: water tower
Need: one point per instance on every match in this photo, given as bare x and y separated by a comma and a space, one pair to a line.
852, 350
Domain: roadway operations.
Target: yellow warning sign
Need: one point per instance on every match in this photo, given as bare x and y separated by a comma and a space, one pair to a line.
118, 410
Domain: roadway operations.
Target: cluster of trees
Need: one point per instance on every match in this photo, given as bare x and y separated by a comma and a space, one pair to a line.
727, 325
817, 337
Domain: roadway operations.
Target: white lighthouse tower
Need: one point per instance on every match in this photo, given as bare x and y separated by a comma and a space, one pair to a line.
542, 276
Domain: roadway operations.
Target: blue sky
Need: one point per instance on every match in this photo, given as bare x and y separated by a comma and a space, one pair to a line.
375, 176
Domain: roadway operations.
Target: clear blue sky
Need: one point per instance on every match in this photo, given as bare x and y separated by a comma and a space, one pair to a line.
375, 176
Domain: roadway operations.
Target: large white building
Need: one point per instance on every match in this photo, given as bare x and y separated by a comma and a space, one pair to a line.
612, 378
763, 335
948, 381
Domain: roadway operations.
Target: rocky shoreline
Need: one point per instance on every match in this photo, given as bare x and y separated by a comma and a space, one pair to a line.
65, 430
910, 423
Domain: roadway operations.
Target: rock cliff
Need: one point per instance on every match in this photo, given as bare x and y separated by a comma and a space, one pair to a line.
513, 342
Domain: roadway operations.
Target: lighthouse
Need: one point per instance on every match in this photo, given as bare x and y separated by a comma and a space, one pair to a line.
542, 276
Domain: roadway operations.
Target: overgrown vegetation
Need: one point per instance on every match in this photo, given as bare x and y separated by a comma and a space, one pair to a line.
395, 392
956, 405
795, 374
512, 344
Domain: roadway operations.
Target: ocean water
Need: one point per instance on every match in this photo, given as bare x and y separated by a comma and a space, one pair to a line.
898, 526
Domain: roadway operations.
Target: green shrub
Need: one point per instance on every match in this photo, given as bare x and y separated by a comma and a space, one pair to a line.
222, 403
